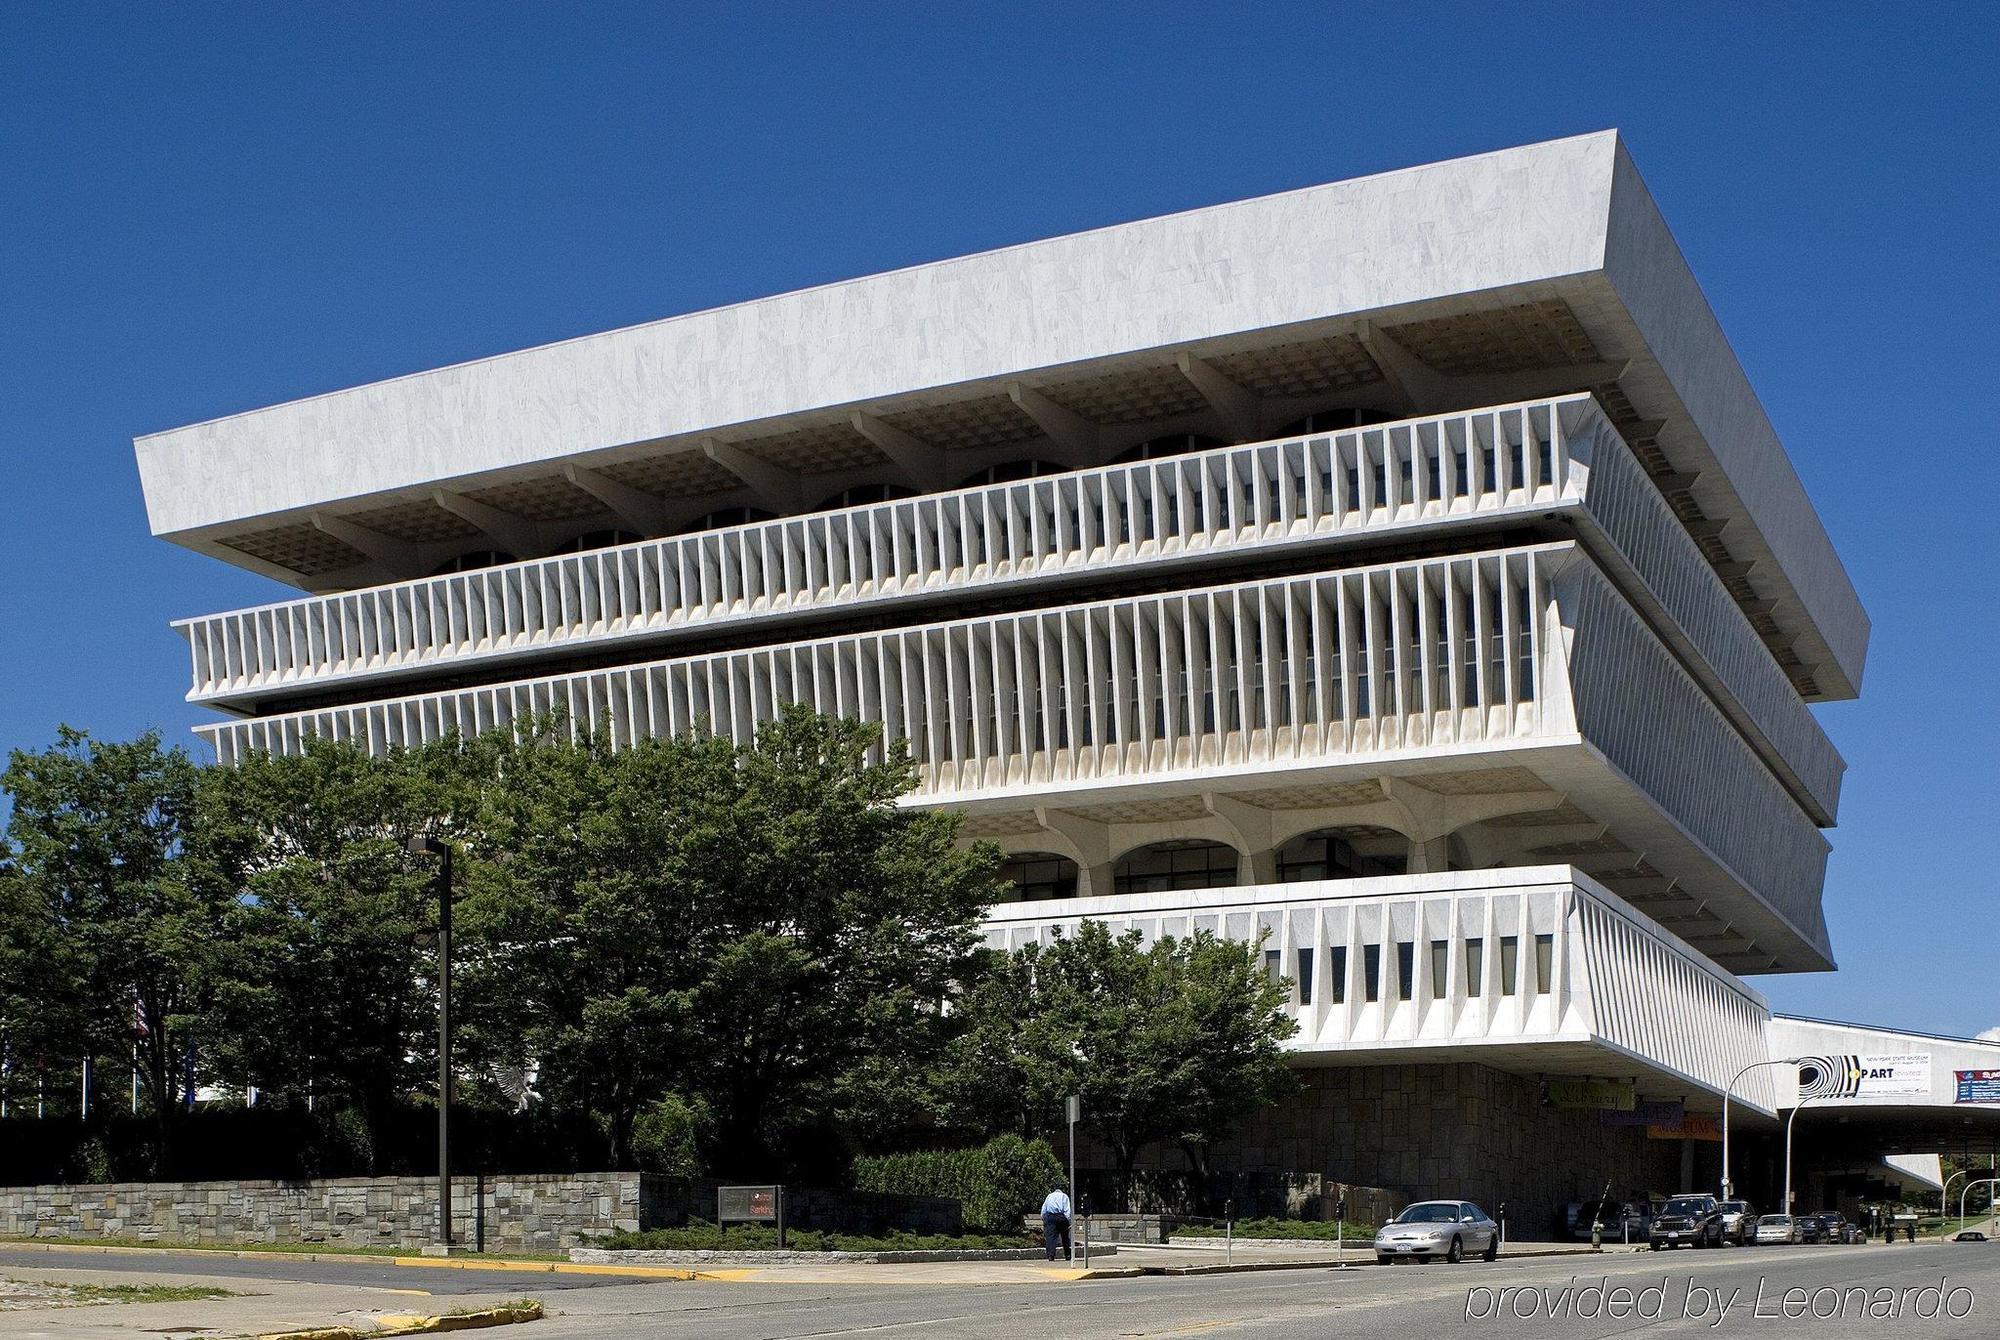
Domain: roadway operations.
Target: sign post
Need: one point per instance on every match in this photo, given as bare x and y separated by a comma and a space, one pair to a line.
1339, 1227
1072, 1110
751, 1205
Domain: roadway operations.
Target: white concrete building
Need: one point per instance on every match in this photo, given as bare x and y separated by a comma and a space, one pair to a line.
1401, 568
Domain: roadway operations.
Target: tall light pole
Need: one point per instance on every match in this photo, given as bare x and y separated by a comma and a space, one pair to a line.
1803, 1100
430, 846
1945, 1191
1993, 1182
1728, 1186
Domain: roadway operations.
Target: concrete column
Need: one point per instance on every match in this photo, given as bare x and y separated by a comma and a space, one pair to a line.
1097, 881
1430, 857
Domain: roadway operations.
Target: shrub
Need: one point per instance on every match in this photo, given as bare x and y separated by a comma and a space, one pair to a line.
994, 1184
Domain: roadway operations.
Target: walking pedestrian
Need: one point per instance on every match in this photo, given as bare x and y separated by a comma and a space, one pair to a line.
1055, 1223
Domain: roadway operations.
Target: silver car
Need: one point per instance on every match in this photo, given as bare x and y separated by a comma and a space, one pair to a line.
1775, 1228
1446, 1228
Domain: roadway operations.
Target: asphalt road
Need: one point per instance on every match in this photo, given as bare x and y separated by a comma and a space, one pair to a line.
359, 1271
1678, 1293
1392, 1303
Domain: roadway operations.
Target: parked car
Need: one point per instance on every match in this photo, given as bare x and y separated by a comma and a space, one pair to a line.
1774, 1228
1446, 1228
1835, 1228
1812, 1228
1737, 1217
1969, 1235
1687, 1221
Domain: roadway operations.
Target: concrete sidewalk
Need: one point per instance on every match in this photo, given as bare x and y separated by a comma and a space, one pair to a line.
254, 1307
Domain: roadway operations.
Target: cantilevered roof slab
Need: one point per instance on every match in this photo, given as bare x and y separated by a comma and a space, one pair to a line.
1527, 272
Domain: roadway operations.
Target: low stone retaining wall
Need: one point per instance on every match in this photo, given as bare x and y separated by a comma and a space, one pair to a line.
597, 1256
526, 1213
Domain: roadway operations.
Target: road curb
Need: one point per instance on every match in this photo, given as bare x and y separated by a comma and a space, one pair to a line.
420, 1325
543, 1267
1358, 1261
225, 1253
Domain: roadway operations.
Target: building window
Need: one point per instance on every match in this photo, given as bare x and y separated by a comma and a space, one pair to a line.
1327, 855
1039, 875
1440, 967
1305, 976
597, 539
1336, 974
1545, 963
1475, 967
1167, 866
1510, 964
1371, 973
1406, 969
1009, 471
728, 516
863, 494
472, 562
1273, 966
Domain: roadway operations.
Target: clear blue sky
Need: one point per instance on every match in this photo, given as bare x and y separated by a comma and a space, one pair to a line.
208, 208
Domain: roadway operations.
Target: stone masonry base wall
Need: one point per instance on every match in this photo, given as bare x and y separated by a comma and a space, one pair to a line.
530, 1213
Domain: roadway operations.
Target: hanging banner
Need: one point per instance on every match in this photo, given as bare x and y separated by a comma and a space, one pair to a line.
1977, 1086
1654, 1112
1608, 1095
1854, 1076
1691, 1126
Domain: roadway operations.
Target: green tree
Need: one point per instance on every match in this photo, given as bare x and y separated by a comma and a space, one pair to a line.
121, 942
326, 984
1174, 1042
764, 932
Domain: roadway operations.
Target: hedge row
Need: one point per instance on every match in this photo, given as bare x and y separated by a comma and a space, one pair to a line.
994, 1184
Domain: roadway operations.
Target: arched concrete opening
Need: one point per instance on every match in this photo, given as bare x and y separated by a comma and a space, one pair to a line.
1036, 876
1343, 852
1184, 863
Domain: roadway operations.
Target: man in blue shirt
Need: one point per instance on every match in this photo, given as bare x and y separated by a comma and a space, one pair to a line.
1055, 1223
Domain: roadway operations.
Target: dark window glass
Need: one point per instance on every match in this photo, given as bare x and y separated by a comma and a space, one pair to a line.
1510, 964
1039, 875
1336, 974
1371, 972
1305, 976
1406, 969
1545, 962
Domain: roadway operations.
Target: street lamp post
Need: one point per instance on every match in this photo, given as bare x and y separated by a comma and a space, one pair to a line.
1945, 1191
430, 846
1993, 1182
1803, 1100
1727, 1185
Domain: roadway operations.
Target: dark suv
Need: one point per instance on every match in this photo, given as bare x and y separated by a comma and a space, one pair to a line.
1692, 1221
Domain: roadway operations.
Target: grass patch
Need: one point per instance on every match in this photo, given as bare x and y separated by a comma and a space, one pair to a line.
131, 1293
749, 1238
1291, 1230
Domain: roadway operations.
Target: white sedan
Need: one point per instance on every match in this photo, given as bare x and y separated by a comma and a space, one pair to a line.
1447, 1228
1774, 1228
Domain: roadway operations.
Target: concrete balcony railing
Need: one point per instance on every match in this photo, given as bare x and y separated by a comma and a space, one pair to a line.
1528, 462
1540, 965
1504, 654
1191, 506
1367, 661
